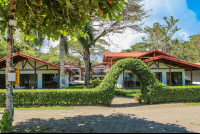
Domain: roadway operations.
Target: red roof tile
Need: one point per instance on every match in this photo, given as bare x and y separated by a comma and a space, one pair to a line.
124, 54
74, 65
172, 59
96, 65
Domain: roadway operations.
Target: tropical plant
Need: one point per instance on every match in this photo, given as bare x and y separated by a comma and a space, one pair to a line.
87, 42
6, 123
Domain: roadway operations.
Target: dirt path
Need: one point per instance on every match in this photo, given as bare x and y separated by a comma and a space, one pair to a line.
124, 115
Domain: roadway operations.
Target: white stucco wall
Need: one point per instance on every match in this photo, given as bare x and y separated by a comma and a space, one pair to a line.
119, 83
74, 67
195, 76
38, 72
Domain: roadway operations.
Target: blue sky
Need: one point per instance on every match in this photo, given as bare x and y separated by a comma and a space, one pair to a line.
187, 11
194, 6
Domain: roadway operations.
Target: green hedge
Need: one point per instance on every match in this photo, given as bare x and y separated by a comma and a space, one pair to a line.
161, 93
54, 97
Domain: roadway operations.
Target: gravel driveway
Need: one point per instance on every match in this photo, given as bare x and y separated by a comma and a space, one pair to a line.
125, 115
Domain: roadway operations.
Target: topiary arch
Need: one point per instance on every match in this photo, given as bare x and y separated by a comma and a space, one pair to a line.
144, 74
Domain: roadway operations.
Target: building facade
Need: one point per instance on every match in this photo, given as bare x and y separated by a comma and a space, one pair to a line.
166, 68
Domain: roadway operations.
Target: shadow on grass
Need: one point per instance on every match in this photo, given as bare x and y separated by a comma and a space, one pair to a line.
116, 123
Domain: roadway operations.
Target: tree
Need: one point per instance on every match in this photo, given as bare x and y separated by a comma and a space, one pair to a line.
85, 46
187, 50
52, 18
86, 43
160, 36
130, 18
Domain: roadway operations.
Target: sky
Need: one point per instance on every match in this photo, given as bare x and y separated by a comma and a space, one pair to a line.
187, 11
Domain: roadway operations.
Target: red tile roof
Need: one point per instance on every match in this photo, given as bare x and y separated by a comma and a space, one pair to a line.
124, 54
171, 59
133, 54
38, 60
74, 65
97, 64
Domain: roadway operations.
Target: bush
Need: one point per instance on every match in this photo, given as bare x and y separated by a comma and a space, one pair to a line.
94, 83
54, 97
161, 93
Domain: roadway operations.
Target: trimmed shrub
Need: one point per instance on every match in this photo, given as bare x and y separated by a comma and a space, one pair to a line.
161, 93
94, 83
53, 97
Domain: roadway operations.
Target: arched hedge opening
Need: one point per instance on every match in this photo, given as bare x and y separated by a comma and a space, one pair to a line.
144, 74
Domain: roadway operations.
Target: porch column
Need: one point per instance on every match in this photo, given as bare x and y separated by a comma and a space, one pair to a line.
123, 79
170, 83
59, 86
191, 76
35, 76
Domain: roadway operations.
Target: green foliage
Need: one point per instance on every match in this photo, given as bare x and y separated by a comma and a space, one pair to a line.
52, 97
55, 17
159, 36
5, 123
161, 93
94, 83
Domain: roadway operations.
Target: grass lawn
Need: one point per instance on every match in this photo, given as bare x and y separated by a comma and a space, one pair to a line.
125, 92
191, 104
40, 108
128, 92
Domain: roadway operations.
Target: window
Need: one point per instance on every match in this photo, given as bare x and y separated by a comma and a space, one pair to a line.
131, 80
50, 81
176, 78
2, 81
158, 76
76, 78
76, 71
28, 80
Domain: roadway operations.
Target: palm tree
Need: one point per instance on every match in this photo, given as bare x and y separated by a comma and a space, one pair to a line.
63, 50
87, 42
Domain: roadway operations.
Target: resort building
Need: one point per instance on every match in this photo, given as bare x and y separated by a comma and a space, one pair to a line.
166, 68
34, 73
78, 72
98, 71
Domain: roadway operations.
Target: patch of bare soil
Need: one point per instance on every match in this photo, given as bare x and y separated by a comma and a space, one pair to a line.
124, 115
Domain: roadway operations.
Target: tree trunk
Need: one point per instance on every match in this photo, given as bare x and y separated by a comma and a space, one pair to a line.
87, 65
62, 55
9, 90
